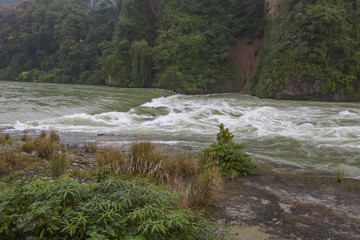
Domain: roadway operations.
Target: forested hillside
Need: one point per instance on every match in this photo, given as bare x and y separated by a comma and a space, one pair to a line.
178, 45
310, 50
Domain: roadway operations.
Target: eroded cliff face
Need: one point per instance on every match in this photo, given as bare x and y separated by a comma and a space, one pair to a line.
245, 53
272, 7
244, 56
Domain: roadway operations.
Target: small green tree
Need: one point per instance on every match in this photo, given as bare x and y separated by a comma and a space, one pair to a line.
229, 156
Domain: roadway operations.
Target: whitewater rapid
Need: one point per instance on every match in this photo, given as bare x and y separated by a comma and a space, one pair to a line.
310, 136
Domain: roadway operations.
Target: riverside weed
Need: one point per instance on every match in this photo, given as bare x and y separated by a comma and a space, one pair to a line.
5, 139
229, 156
206, 188
54, 136
161, 167
45, 147
112, 157
10, 161
90, 147
25, 137
58, 164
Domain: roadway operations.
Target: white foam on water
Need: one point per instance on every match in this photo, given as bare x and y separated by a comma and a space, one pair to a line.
315, 127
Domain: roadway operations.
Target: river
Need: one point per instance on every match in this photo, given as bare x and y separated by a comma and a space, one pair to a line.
303, 135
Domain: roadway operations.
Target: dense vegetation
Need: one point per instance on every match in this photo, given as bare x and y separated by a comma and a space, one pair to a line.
149, 194
111, 209
178, 45
313, 50
229, 156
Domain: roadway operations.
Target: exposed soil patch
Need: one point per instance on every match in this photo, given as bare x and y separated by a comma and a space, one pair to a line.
273, 8
244, 55
291, 206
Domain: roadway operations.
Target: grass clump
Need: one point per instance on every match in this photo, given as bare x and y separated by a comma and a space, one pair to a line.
10, 160
206, 188
112, 209
43, 146
5, 139
25, 137
90, 147
54, 136
112, 157
58, 164
229, 156
161, 167
84, 174
28, 146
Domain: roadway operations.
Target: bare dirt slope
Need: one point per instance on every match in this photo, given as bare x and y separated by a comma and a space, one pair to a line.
245, 53
244, 56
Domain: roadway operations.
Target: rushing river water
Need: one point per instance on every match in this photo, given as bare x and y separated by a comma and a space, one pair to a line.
310, 136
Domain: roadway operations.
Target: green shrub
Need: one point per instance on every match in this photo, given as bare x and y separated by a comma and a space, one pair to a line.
230, 157
104, 173
112, 209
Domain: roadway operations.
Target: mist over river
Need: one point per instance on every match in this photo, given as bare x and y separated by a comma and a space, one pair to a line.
309, 136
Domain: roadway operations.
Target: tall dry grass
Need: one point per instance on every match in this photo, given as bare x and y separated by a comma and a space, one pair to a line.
5, 139
206, 188
163, 168
43, 146
113, 157
10, 160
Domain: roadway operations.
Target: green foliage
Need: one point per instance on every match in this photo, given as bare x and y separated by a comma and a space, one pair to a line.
112, 209
230, 157
313, 50
55, 41
141, 63
104, 173
224, 136
177, 45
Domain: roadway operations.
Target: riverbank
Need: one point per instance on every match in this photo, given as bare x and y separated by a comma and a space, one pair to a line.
275, 205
